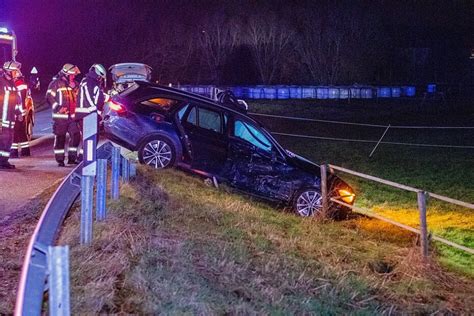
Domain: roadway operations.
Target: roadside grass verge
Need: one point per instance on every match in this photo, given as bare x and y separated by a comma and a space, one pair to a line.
172, 245
445, 171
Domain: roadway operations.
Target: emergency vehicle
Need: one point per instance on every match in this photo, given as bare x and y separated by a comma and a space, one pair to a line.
8, 51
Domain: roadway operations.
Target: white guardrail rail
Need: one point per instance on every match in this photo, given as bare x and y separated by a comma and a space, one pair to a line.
33, 281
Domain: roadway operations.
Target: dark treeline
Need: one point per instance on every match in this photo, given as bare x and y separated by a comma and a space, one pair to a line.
249, 42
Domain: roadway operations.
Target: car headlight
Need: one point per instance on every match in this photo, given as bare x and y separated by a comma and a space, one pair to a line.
346, 196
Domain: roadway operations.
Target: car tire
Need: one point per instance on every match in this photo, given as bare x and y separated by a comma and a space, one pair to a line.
157, 152
308, 202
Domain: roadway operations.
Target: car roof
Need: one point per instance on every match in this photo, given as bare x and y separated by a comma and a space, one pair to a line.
146, 87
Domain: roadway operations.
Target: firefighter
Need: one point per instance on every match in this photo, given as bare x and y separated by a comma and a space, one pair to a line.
21, 145
91, 95
62, 96
10, 109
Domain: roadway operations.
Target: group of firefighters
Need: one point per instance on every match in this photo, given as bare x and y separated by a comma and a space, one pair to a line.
70, 102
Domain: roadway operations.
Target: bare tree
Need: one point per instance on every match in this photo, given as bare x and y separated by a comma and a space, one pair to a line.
335, 43
219, 36
269, 39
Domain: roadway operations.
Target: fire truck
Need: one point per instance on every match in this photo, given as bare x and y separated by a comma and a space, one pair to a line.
8, 51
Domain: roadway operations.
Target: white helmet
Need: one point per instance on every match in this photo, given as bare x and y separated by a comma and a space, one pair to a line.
70, 69
11, 66
99, 70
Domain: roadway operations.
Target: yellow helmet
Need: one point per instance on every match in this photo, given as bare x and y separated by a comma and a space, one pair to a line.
70, 69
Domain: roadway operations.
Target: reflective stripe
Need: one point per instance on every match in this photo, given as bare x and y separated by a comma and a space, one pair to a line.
22, 87
88, 96
55, 104
86, 110
60, 98
25, 145
96, 95
72, 149
60, 116
5, 105
4, 153
8, 124
58, 151
14, 146
65, 89
53, 93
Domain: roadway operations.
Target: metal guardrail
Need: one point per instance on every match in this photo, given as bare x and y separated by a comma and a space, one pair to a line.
34, 273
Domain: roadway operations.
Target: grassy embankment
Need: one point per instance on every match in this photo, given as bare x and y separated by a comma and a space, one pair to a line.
446, 171
173, 245
15, 234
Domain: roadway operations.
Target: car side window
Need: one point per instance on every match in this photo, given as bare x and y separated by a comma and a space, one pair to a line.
210, 120
252, 135
192, 117
205, 118
182, 112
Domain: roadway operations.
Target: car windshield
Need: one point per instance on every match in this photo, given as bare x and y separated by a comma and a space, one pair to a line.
251, 134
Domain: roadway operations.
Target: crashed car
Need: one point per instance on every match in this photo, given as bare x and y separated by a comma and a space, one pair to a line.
173, 128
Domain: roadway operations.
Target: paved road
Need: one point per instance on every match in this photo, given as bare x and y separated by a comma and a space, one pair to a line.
32, 174
43, 123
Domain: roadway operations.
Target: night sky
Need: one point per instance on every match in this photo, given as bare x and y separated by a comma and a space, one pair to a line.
51, 33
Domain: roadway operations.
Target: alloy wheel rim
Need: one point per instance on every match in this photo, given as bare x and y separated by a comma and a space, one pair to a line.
309, 203
157, 154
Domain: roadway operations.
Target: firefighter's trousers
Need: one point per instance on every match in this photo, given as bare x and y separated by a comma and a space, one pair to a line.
60, 129
6, 137
20, 144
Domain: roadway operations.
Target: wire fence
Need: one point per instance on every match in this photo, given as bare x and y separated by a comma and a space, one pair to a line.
457, 137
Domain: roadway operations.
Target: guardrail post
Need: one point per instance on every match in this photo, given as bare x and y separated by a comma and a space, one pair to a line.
101, 211
115, 173
58, 281
423, 225
324, 189
87, 199
133, 170
125, 170
89, 171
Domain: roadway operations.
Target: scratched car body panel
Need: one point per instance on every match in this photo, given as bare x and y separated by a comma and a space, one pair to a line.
169, 127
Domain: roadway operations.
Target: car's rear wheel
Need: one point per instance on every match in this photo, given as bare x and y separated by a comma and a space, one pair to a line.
157, 152
308, 202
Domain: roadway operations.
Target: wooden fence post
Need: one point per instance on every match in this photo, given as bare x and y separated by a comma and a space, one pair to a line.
324, 189
423, 225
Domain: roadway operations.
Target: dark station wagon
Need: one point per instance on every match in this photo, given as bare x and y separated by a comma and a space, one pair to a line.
172, 128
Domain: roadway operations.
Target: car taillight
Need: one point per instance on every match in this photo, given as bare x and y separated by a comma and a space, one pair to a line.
117, 107
346, 196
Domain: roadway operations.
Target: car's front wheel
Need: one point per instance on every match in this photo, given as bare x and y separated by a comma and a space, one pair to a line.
157, 152
308, 202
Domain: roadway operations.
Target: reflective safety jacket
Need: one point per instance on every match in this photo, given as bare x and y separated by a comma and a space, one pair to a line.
63, 98
22, 88
10, 103
91, 96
